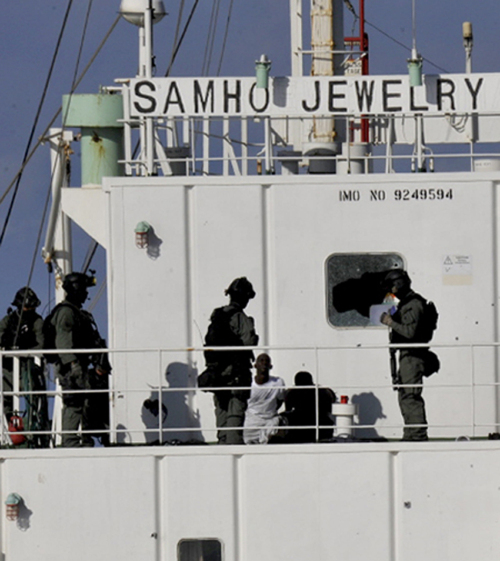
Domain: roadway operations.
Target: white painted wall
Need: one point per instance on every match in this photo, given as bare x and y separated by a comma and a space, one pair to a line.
278, 231
399, 502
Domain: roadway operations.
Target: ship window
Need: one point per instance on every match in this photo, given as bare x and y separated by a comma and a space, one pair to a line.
353, 284
199, 550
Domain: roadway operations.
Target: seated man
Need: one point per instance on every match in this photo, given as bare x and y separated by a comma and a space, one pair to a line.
300, 404
268, 392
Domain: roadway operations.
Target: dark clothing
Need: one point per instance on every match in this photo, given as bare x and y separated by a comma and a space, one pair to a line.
300, 404
230, 326
411, 402
24, 332
408, 327
76, 329
229, 414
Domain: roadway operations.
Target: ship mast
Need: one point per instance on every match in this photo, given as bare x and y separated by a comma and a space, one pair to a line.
327, 37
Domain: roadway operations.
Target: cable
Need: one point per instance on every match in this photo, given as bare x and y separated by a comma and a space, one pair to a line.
212, 29
178, 46
177, 29
82, 41
90, 255
47, 199
223, 50
350, 7
98, 296
405, 46
37, 116
43, 136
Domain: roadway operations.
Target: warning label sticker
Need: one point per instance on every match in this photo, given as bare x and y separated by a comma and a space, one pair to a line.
457, 269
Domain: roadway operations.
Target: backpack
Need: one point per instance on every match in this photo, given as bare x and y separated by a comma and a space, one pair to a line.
219, 334
429, 325
430, 319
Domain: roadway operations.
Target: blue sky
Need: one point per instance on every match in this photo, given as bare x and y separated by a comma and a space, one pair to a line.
29, 30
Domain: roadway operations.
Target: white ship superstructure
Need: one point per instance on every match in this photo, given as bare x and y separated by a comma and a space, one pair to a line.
303, 184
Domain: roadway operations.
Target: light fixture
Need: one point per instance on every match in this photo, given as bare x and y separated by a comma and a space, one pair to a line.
142, 234
262, 67
12, 506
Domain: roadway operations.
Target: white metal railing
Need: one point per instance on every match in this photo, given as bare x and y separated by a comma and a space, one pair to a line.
260, 145
477, 389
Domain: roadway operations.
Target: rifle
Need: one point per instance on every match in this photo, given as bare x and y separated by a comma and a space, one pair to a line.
394, 370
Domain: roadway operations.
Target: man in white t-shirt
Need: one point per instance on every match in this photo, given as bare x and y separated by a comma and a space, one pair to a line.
267, 394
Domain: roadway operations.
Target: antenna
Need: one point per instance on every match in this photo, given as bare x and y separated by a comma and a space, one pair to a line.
468, 42
144, 13
415, 62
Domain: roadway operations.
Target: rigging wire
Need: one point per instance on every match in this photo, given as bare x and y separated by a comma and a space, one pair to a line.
33, 261
405, 46
90, 255
98, 296
177, 29
80, 50
350, 7
93, 245
212, 29
181, 39
76, 82
224, 41
43, 136
16, 190
47, 198
37, 117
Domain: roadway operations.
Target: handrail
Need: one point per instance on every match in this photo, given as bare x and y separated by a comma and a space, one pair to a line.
235, 147
162, 389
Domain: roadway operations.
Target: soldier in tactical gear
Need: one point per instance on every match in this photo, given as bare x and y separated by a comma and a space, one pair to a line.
230, 326
76, 329
409, 325
22, 328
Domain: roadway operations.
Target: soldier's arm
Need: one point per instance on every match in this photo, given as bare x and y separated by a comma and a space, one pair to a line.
410, 318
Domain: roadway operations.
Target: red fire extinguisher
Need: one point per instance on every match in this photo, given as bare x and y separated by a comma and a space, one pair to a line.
16, 426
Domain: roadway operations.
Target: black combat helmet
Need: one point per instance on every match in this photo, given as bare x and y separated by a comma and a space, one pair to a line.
77, 282
241, 286
397, 278
26, 298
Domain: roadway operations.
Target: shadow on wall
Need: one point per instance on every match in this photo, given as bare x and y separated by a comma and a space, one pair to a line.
176, 410
369, 412
154, 244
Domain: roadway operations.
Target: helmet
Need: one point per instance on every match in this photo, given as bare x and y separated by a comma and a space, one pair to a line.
77, 282
240, 286
26, 298
398, 278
